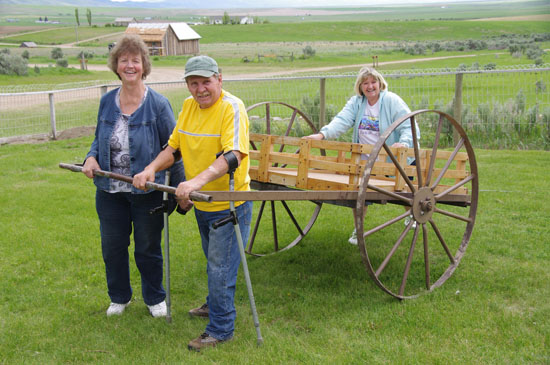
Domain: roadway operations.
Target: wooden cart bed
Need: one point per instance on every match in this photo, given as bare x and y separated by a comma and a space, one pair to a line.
341, 167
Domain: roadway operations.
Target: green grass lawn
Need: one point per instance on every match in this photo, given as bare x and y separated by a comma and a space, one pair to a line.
316, 302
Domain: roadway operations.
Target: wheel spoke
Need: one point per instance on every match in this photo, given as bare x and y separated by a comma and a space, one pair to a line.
416, 147
409, 260
426, 255
388, 223
274, 222
399, 168
434, 151
292, 218
442, 241
390, 193
392, 251
448, 163
267, 119
256, 226
454, 187
453, 215
289, 127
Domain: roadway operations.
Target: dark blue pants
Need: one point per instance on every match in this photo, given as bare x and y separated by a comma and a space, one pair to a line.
118, 213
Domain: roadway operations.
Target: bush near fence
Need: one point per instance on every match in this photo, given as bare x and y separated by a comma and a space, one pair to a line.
506, 108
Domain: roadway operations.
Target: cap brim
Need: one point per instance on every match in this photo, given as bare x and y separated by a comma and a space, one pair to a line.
202, 73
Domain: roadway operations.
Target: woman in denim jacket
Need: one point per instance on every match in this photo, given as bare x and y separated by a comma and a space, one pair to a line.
133, 124
370, 113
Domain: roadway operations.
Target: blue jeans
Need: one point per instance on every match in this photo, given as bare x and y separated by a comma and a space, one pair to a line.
117, 213
223, 258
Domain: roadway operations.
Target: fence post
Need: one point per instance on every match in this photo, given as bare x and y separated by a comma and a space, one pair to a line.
322, 102
457, 105
52, 115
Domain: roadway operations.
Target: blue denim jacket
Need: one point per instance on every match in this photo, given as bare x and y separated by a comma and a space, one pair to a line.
149, 129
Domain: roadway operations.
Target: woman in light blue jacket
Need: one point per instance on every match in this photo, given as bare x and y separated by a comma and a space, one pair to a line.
370, 113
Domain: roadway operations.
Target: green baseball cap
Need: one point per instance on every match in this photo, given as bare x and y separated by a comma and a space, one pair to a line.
201, 66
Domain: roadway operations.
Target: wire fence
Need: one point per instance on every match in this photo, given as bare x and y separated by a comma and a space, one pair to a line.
504, 108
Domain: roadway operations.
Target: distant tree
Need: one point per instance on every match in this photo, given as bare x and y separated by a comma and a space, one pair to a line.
226, 19
25, 54
89, 16
45, 18
39, 18
57, 53
76, 16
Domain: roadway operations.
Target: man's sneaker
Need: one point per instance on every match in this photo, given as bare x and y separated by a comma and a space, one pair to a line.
201, 311
353, 238
203, 341
408, 220
158, 310
116, 309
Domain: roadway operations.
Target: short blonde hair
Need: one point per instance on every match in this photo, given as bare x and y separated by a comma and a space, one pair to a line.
364, 73
130, 43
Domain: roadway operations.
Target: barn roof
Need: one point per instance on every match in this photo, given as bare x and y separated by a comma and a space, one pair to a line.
184, 31
155, 31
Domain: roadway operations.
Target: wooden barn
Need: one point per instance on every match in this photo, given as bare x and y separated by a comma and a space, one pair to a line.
167, 39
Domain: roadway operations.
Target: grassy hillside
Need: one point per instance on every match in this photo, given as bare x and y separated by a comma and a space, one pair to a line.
315, 31
366, 31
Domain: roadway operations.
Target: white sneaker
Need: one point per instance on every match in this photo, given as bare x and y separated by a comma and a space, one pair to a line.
158, 310
408, 220
116, 309
353, 238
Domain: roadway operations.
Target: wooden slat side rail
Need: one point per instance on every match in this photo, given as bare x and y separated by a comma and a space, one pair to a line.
342, 167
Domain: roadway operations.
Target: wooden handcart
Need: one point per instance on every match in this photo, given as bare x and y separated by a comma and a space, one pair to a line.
405, 257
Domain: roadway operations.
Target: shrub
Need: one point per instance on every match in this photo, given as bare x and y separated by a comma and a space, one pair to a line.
86, 54
540, 86
308, 51
57, 53
490, 66
534, 52
311, 108
4, 51
12, 64
62, 63
25, 54
36, 69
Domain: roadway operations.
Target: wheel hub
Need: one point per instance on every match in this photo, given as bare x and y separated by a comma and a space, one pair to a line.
423, 205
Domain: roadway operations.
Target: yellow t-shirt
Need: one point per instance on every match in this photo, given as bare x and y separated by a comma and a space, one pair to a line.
202, 133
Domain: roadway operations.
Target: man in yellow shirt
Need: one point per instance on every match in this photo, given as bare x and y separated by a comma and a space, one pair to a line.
211, 121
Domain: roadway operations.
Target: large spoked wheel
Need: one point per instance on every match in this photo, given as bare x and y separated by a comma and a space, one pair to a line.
285, 223
417, 245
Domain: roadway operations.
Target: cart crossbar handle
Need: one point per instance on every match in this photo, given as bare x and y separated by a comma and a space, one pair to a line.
149, 185
316, 195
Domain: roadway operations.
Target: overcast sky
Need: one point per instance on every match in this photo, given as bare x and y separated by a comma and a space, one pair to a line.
306, 3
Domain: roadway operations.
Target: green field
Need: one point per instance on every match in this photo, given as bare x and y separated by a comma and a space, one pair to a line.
316, 303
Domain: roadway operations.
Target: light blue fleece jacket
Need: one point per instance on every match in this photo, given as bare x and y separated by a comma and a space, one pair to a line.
392, 107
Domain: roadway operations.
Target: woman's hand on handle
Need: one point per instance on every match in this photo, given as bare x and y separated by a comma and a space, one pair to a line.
89, 166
